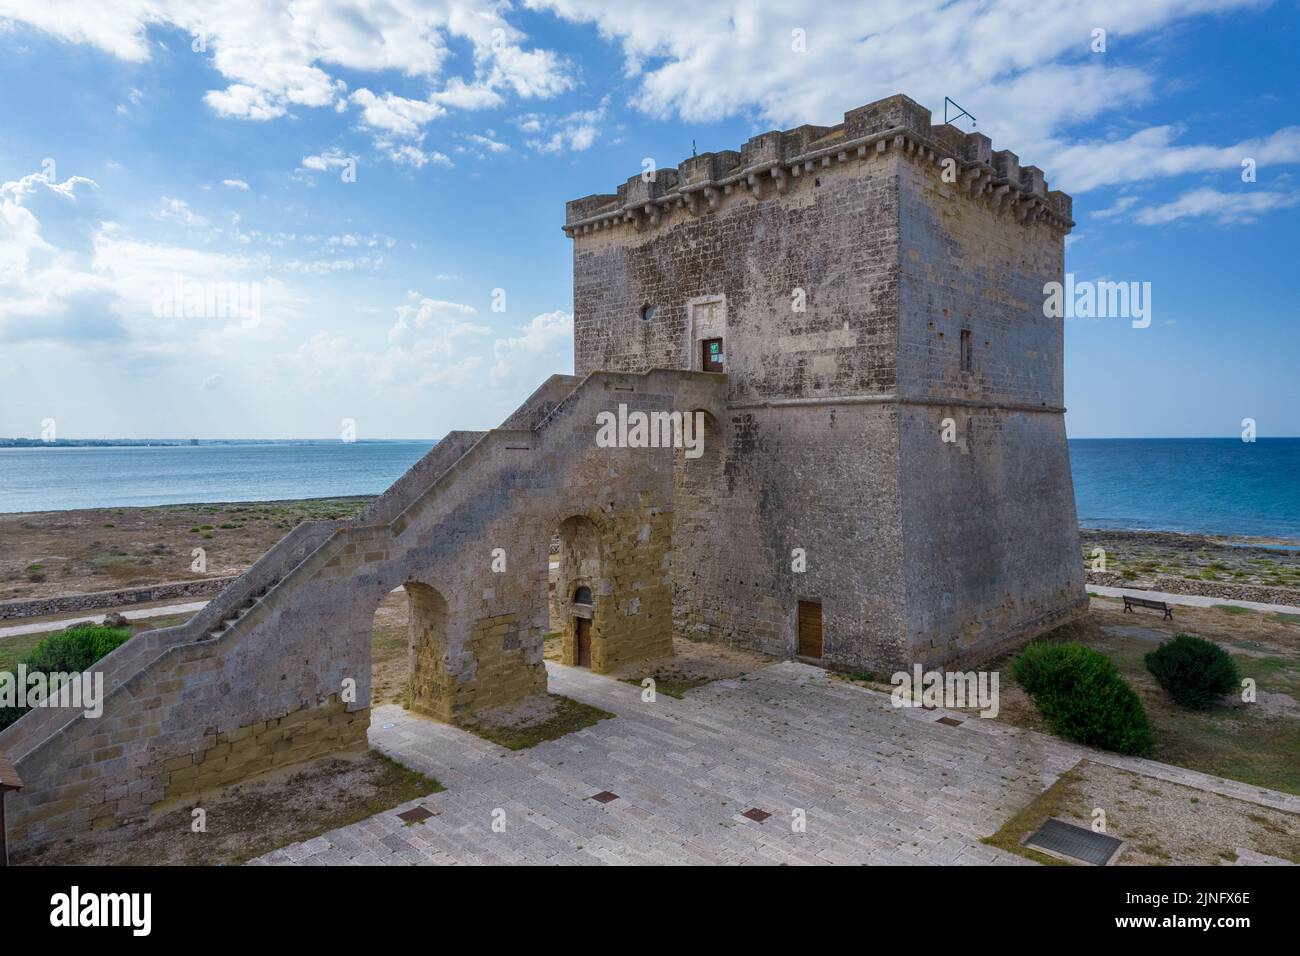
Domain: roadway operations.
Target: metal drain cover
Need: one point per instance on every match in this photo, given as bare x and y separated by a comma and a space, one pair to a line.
1076, 842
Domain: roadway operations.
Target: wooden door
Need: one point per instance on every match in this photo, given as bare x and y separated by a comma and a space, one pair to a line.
810, 629
711, 360
583, 640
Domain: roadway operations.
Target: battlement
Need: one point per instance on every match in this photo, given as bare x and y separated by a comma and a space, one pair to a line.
768, 163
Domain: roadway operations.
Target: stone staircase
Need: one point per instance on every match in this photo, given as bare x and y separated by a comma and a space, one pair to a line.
253, 680
222, 615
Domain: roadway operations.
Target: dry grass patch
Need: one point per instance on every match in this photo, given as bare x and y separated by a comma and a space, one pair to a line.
1160, 822
249, 819
534, 721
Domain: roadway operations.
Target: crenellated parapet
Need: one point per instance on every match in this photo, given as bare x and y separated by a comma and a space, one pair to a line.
769, 163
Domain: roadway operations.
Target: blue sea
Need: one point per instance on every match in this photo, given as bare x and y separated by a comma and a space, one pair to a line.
1204, 485
59, 478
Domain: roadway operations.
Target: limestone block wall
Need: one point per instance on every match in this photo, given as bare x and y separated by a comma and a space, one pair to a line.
868, 279
821, 478
988, 523
967, 263
830, 241
625, 557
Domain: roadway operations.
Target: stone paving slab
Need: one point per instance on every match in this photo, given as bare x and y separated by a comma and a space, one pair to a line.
876, 784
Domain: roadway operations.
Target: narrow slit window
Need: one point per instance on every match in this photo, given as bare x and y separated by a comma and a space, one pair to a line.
965, 350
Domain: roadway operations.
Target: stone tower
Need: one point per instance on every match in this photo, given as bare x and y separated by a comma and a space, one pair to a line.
891, 483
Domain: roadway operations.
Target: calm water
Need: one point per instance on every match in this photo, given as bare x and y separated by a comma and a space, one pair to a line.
50, 479
1209, 485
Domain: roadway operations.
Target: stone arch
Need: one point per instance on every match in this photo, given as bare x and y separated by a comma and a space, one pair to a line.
580, 569
430, 621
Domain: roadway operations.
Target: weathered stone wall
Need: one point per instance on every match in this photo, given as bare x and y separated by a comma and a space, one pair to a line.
841, 267
34, 607
833, 236
989, 518
820, 478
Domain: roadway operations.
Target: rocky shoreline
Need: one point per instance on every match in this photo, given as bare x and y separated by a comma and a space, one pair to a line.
1213, 564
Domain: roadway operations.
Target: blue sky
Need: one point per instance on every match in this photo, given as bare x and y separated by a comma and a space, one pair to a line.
471, 123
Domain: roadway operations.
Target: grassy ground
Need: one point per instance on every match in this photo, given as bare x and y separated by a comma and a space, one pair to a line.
14, 649
1256, 743
249, 819
559, 715
667, 682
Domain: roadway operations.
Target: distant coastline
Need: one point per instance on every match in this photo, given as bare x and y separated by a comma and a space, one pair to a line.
1223, 489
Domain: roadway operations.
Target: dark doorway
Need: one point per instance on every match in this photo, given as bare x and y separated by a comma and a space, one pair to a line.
711, 360
810, 629
582, 638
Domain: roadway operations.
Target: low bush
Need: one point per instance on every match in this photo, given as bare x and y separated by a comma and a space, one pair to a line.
1194, 671
1083, 697
68, 652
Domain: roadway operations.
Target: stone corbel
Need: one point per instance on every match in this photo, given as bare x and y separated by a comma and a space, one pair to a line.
782, 183
712, 196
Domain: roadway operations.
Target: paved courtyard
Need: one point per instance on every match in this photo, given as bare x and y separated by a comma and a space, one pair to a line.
875, 784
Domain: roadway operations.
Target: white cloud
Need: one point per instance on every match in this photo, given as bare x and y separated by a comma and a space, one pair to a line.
407, 154
430, 343
574, 132
178, 210
1118, 208
1151, 153
275, 55
488, 143
1223, 207
395, 114
66, 275
333, 158
235, 184
420, 317
544, 345
1025, 71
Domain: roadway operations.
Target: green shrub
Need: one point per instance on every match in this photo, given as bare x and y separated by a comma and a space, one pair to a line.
1083, 698
68, 652
1195, 671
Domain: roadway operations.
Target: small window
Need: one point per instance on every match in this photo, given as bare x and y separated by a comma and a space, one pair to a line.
582, 596
647, 313
965, 350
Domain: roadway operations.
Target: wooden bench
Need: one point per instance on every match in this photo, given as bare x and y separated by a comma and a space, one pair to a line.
1131, 602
